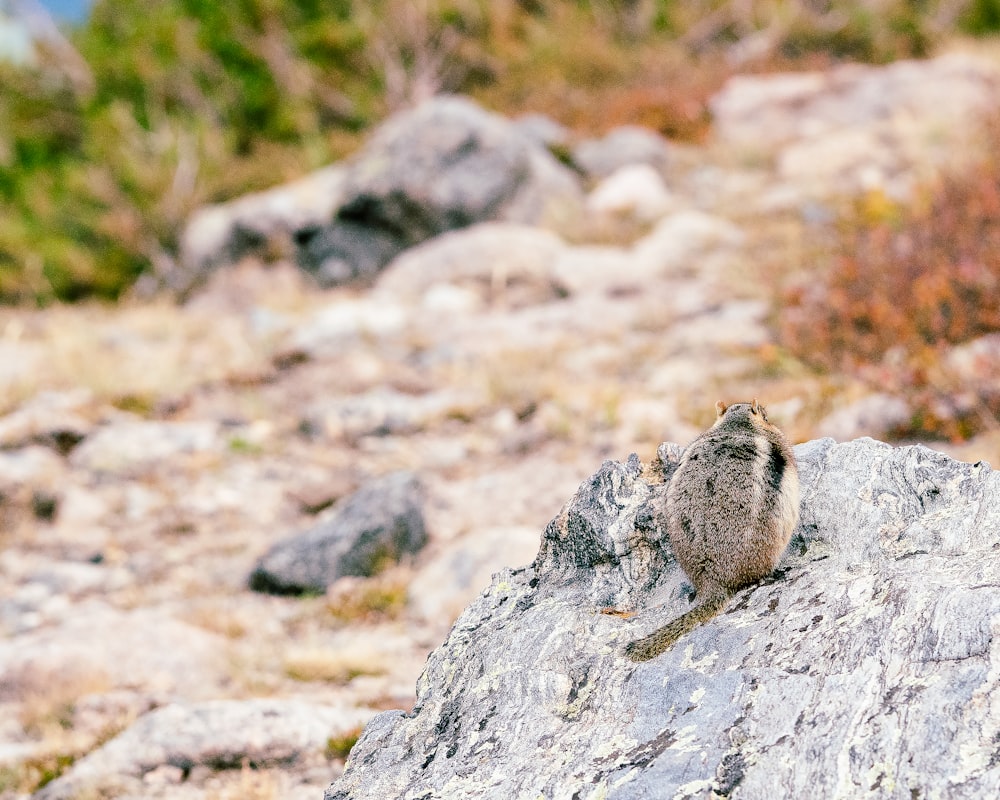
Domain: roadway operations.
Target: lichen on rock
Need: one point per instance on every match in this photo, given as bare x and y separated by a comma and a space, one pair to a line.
867, 666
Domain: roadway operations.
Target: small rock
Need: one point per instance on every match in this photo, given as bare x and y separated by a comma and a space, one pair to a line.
167, 745
29, 471
334, 329
682, 237
543, 130
503, 263
379, 524
134, 447
635, 190
622, 147
976, 362
384, 412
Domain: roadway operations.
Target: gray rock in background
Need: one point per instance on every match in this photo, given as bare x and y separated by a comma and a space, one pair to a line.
866, 667
377, 525
129, 447
444, 165
166, 745
257, 224
629, 144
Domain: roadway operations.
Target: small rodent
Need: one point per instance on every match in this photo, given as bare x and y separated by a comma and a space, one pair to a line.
732, 504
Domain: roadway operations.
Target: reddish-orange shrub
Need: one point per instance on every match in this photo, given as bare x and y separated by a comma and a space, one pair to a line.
899, 290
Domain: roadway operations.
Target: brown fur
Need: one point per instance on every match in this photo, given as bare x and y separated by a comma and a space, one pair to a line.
732, 505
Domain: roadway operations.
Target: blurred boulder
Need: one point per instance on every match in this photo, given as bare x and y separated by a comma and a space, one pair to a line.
502, 263
444, 165
133, 447
263, 223
636, 191
385, 411
378, 525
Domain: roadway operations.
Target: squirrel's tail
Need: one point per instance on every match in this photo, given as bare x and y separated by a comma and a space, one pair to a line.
651, 646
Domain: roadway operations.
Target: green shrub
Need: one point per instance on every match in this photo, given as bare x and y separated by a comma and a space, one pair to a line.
192, 101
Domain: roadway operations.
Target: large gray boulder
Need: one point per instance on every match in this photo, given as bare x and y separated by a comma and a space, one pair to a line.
376, 526
866, 667
444, 165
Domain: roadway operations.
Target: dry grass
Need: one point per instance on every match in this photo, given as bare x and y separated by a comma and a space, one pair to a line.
47, 699
46, 710
368, 600
249, 784
330, 665
137, 358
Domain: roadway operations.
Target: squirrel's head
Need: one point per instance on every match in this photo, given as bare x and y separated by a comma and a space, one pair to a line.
752, 412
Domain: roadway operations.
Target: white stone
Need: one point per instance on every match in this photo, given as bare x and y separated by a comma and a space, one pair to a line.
635, 190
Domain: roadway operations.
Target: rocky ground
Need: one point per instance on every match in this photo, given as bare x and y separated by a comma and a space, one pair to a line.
151, 454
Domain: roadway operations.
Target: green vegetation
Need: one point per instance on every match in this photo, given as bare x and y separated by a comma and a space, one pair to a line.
340, 746
190, 101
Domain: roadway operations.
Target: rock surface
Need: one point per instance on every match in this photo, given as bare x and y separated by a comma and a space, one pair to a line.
866, 667
377, 525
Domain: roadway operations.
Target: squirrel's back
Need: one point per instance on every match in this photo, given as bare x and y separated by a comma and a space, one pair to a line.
733, 502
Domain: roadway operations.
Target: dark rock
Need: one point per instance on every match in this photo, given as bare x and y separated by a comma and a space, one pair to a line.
377, 525
865, 666
345, 251
264, 223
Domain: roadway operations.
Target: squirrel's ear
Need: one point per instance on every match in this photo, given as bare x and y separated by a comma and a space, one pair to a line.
755, 406
720, 408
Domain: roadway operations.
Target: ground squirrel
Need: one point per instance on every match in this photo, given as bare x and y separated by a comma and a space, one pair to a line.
732, 505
